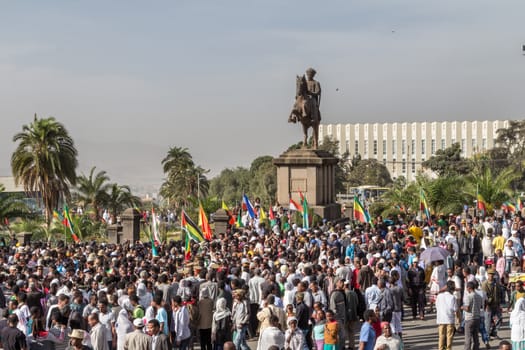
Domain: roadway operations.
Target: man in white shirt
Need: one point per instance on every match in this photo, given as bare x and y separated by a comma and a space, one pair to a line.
446, 307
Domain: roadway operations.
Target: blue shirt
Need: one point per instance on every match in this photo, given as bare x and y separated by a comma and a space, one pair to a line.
162, 316
367, 336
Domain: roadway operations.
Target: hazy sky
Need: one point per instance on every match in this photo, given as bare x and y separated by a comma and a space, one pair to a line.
129, 79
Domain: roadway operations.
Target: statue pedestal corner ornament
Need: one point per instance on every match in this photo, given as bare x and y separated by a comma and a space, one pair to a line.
311, 172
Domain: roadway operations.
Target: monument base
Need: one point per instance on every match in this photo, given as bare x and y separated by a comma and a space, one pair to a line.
310, 173
329, 211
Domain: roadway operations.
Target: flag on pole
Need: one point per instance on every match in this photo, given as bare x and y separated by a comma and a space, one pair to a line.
295, 206
262, 214
238, 223
509, 207
187, 248
271, 215
423, 206
190, 228
232, 218
204, 224
69, 224
481, 204
247, 205
155, 227
360, 213
304, 203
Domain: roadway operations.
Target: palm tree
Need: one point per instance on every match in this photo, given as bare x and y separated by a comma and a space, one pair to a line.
121, 198
45, 161
184, 179
93, 190
11, 205
494, 188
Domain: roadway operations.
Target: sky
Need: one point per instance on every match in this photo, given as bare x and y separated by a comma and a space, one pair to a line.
130, 79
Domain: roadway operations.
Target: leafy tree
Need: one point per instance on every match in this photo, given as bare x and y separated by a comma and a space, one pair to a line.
45, 161
445, 194
263, 176
120, 198
368, 172
230, 185
92, 190
11, 206
448, 162
184, 179
494, 188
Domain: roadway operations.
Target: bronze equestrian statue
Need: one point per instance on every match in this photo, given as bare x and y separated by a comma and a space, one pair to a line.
306, 106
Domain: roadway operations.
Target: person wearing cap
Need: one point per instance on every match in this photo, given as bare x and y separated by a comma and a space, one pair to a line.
76, 338
492, 289
416, 288
137, 340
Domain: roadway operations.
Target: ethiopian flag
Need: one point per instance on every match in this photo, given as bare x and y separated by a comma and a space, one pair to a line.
304, 203
481, 205
423, 206
360, 213
68, 223
204, 224
519, 204
187, 248
190, 228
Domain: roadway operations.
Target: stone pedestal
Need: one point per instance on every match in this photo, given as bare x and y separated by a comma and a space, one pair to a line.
221, 219
115, 234
24, 238
311, 172
131, 225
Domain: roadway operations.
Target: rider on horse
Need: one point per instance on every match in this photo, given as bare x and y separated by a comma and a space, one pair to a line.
313, 96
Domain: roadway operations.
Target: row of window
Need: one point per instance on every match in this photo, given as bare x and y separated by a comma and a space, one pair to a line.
412, 149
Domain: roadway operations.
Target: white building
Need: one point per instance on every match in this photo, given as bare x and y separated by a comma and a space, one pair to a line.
402, 147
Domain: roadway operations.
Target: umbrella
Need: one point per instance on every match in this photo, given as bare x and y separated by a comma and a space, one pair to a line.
434, 254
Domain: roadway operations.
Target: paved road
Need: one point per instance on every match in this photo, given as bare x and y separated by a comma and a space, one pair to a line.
423, 334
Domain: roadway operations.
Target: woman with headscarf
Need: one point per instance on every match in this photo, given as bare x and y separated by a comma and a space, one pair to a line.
123, 326
517, 325
221, 324
294, 337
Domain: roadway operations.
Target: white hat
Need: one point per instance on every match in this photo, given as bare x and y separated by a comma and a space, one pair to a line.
138, 323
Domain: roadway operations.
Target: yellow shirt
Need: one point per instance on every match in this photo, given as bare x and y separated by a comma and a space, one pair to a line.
417, 232
498, 242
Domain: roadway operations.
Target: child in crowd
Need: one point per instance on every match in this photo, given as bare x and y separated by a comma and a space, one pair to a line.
318, 331
331, 332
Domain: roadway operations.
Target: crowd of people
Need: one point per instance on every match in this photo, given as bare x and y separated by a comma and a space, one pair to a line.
332, 287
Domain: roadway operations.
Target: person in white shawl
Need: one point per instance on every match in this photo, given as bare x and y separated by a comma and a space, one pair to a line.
271, 335
517, 325
123, 326
221, 323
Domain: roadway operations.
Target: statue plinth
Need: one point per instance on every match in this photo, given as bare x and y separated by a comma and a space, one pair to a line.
311, 172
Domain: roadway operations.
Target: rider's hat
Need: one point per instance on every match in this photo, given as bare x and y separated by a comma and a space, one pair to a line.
311, 70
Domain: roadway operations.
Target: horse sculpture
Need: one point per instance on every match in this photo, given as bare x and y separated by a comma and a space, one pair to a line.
306, 111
